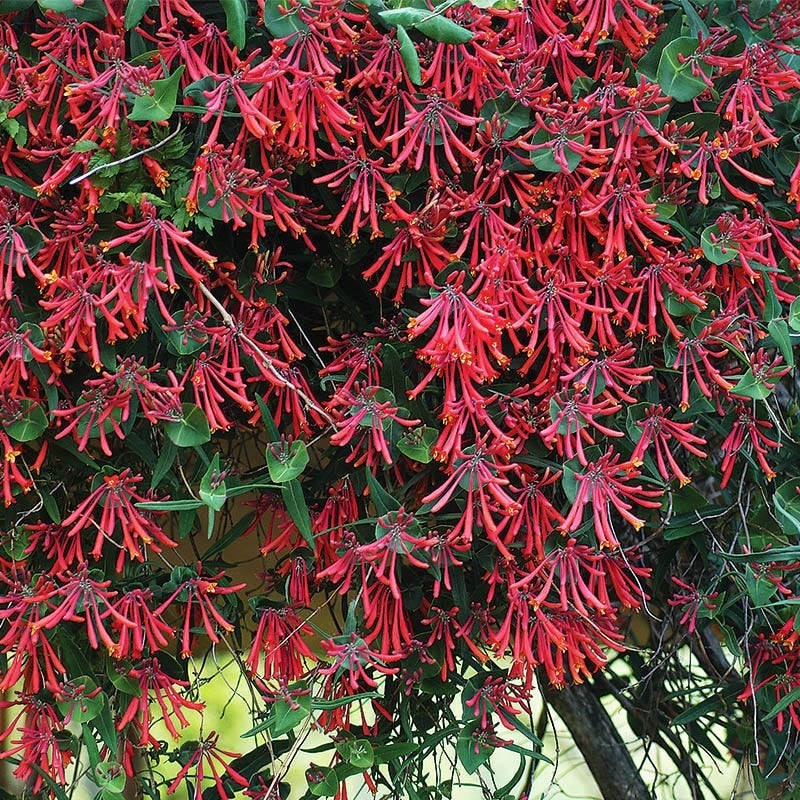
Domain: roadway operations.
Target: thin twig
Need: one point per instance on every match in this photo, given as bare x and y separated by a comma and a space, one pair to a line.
231, 323
131, 157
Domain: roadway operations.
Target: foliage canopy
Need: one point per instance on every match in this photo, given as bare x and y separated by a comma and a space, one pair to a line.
469, 327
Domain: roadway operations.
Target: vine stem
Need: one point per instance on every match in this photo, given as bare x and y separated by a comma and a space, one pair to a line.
131, 157
231, 323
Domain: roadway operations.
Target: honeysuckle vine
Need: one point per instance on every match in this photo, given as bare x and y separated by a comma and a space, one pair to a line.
420, 359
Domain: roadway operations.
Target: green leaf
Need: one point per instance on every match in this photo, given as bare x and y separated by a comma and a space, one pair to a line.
710, 705
472, 753
17, 185
281, 19
12, 6
357, 752
794, 314
295, 502
328, 705
381, 499
783, 704
544, 157
779, 331
110, 776
750, 386
286, 463
717, 252
702, 122
325, 273
236, 19
772, 306
93, 751
417, 444
786, 502
674, 74
775, 554
166, 458
283, 718
443, 29
29, 424
759, 588
569, 482
191, 429
758, 9
406, 17
86, 11
81, 707
648, 63
322, 781
268, 419
51, 507
409, 55
516, 116
433, 25
696, 24
103, 723
170, 505
213, 491
389, 752
159, 105
184, 339
134, 11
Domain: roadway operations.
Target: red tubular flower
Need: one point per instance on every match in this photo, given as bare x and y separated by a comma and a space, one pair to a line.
747, 433
197, 595
213, 382
281, 641
31, 657
611, 374
398, 535
13, 479
208, 757
367, 424
434, 120
157, 688
421, 232
148, 630
360, 177
352, 662
116, 495
480, 476
81, 598
537, 517
41, 750
659, 430
385, 618
500, 697
14, 254
356, 358
605, 484
690, 600
571, 417
166, 243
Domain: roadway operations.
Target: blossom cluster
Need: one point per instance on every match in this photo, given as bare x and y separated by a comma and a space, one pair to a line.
490, 286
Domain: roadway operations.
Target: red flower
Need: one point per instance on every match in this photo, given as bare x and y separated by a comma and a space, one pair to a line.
116, 495
197, 595
659, 430
352, 662
157, 688
165, 242
605, 485
207, 757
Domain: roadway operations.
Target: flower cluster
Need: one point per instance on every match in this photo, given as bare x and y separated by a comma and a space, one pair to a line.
505, 295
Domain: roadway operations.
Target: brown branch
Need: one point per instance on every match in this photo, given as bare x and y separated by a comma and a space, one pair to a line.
598, 739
